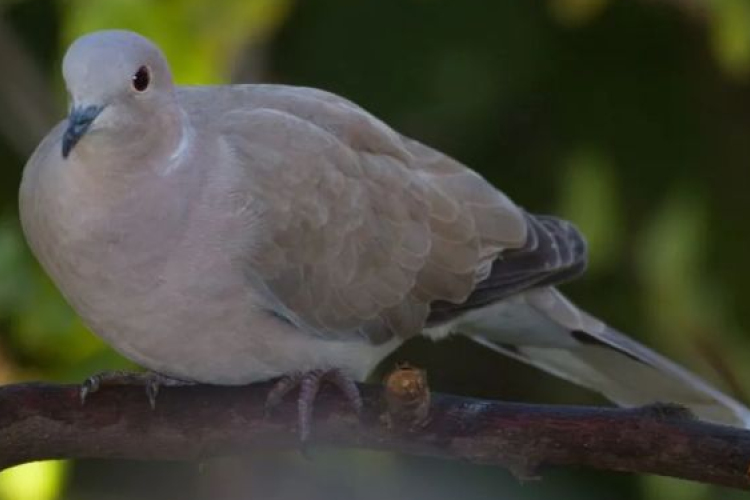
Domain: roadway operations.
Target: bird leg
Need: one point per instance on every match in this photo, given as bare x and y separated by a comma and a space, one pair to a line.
309, 384
152, 381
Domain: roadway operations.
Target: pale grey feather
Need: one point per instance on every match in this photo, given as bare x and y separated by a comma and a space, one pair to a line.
541, 327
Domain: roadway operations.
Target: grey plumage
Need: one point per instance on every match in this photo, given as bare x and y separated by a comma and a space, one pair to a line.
230, 234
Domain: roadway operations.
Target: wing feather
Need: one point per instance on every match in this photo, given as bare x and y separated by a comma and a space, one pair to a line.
362, 229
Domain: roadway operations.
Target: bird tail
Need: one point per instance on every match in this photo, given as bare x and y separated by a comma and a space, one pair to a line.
542, 328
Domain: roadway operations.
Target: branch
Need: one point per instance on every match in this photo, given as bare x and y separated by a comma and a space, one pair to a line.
43, 421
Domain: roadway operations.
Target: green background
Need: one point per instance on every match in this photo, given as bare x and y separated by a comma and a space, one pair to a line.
631, 118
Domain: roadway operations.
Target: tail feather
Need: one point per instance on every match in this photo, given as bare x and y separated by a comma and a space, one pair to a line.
542, 328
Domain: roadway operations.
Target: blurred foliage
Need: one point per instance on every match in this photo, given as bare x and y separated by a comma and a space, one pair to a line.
590, 181
33, 481
575, 13
631, 118
730, 34
202, 40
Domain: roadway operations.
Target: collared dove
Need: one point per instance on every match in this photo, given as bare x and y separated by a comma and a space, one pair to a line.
233, 234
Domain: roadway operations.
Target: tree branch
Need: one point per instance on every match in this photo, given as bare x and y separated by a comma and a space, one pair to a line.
42, 421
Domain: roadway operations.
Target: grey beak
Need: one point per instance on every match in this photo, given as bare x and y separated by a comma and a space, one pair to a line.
79, 121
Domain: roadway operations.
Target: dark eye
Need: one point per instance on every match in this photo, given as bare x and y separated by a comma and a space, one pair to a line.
141, 79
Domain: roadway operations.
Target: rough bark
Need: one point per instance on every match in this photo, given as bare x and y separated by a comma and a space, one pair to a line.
43, 421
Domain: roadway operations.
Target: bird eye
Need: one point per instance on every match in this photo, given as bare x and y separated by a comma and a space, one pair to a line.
141, 79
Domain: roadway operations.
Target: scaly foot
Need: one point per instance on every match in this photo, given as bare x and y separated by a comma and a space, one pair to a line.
152, 381
309, 384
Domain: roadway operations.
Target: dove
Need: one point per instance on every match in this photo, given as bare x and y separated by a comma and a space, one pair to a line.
234, 234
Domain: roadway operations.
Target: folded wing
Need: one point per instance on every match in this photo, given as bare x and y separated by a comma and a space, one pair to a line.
361, 229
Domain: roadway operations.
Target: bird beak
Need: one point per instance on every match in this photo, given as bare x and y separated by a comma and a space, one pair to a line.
79, 121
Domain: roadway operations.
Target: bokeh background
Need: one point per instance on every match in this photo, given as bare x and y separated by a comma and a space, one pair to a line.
631, 118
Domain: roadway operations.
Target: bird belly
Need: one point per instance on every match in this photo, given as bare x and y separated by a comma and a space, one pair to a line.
214, 330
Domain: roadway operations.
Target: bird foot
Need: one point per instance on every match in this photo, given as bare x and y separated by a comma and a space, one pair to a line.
309, 384
152, 382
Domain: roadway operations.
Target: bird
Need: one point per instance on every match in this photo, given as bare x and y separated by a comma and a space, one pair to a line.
231, 234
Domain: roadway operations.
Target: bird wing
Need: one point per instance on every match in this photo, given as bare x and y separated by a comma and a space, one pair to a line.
362, 229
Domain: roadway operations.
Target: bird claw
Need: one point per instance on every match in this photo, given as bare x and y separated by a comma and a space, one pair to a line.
151, 381
309, 384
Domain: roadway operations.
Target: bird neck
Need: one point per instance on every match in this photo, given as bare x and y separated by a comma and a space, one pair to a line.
136, 155
179, 146
163, 139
